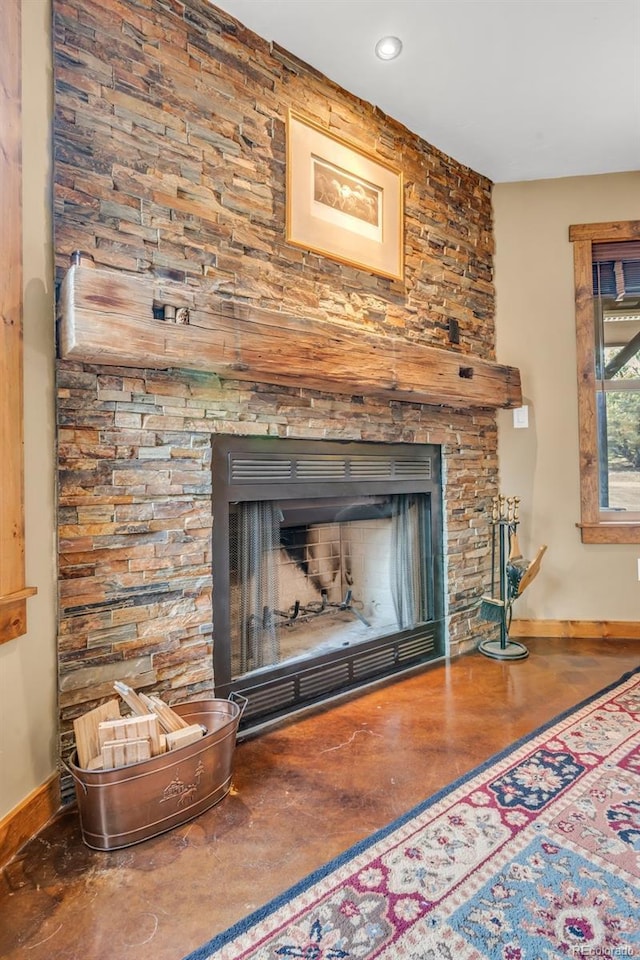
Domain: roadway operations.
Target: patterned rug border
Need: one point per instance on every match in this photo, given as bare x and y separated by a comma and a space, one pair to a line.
351, 853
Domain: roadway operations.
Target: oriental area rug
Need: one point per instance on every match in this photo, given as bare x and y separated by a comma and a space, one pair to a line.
533, 856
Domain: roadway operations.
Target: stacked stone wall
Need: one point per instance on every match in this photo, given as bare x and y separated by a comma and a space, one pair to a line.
170, 162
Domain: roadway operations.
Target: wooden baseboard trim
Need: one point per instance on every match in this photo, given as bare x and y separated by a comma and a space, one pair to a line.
583, 629
30, 816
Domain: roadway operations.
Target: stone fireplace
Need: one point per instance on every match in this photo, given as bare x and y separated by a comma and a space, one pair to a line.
170, 159
327, 566
138, 548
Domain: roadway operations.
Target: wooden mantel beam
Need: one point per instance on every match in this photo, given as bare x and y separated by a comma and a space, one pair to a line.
107, 318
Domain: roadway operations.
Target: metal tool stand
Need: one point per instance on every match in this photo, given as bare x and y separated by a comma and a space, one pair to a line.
504, 648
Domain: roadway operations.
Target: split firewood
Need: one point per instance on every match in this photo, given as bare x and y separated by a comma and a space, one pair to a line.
85, 729
132, 728
185, 736
131, 698
122, 753
141, 705
105, 739
169, 719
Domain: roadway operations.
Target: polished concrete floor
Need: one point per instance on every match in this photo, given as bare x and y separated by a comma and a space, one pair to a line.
302, 793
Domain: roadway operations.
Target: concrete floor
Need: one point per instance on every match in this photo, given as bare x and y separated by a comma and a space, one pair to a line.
302, 793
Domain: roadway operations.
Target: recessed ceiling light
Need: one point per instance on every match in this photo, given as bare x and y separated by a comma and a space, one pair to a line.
388, 48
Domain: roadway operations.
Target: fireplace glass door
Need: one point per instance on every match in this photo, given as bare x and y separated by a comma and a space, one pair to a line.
312, 576
327, 567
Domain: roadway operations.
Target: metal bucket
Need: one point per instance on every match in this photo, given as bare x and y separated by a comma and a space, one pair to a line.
125, 805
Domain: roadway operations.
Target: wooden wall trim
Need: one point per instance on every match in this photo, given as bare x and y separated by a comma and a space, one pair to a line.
13, 595
603, 232
593, 528
29, 817
587, 416
571, 629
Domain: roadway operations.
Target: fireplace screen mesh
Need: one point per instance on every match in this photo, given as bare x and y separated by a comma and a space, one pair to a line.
315, 575
254, 546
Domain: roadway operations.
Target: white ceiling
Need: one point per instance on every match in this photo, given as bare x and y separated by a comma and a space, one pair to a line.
514, 89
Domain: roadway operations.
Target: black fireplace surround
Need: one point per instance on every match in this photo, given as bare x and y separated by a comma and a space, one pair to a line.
327, 567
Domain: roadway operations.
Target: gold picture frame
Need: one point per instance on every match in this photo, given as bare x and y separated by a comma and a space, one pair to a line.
343, 202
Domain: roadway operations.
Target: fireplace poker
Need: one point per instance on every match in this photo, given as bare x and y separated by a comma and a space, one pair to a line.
492, 608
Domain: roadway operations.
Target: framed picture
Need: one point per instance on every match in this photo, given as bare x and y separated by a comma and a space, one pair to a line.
342, 202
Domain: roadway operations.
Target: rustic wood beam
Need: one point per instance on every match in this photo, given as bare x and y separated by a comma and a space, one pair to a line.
108, 318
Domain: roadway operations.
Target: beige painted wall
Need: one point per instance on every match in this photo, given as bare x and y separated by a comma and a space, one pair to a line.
28, 684
536, 332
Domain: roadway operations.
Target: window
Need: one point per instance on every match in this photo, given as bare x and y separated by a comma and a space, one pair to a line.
607, 279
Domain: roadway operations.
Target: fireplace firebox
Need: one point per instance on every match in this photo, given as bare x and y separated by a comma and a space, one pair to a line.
327, 567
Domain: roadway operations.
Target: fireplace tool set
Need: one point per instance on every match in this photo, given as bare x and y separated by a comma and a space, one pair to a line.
514, 575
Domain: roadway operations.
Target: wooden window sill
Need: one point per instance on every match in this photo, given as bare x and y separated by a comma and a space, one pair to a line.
610, 532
